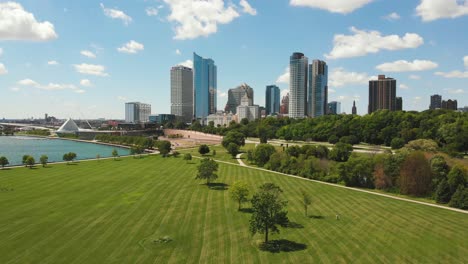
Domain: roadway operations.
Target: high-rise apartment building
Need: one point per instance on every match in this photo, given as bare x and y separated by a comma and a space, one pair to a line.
235, 96
436, 101
272, 99
398, 104
334, 108
354, 109
450, 104
205, 86
284, 108
182, 93
382, 94
298, 85
317, 95
136, 112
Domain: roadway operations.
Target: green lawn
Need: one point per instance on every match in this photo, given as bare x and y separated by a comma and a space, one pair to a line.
112, 211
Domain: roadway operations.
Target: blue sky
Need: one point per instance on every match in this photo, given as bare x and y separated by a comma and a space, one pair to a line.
84, 59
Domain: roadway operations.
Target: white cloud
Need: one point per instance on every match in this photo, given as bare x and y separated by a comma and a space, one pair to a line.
334, 6
222, 94
47, 87
187, 63
415, 77
116, 14
284, 78
80, 91
52, 62
340, 77
91, 69
392, 16
330, 90
86, 83
430, 10
407, 66
403, 86
15, 89
247, 8
28, 82
151, 11
18, 24
88, 54
194, 19
177, 51
455, 91
122, 98
363, 42
3, 69
465, 61
131, 47
453, 74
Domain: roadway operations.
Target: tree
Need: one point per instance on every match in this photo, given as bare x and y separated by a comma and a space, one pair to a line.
415, 175
98, 157
175, 154
206, 170
30, 162
341, 152
214, 152
70, 156
44, 159
233, 149
115, 154
268, 211
3, 161
261, 154
25, 158
203, 149
235, 137
460, 198
306, 200
456, 177
439, 169
442, 193
239, 192
164, 147
136, 150
187, 157
397, 143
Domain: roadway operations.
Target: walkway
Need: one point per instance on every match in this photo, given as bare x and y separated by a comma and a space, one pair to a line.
238, 157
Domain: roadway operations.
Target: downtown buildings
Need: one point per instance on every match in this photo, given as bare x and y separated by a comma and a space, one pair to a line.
204, 86
136, 112
382, 94
235, 96
272, 99
182, 93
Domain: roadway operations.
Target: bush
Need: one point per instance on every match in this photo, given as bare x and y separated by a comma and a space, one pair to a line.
460, 198
261, 154
203, 149
397, 143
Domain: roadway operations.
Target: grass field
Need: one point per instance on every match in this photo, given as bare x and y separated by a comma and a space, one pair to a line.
112, 211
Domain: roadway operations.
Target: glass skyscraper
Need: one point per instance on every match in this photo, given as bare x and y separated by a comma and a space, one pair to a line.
182, 93
318, 89
272, 99
298, 85
205, 86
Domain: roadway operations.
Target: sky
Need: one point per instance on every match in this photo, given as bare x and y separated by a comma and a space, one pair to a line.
85, 59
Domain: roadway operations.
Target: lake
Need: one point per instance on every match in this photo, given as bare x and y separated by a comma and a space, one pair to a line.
14, 147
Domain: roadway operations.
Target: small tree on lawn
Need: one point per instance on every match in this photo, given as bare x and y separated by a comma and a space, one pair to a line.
187, 157
3, 161
214, 152
203, 149
306, 200
206, 170
268, 210
44, 159
115, 154
25, 158
239, 192
233, 149
30, 162
164, 147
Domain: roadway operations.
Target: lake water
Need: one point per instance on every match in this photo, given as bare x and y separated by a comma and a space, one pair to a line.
14, 148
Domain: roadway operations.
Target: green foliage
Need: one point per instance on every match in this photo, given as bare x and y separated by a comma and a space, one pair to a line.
175, 154
145, 142
115, 153
293, 151
268, 210
30, 161
203, 149
207, 170
37, 132
261, 154
70, 156
306, 200
397, 143
415, 175
358, 171
239, 192
233, 137
3, 161
233, 149
341, 152
164, 147
457, 176
44, 159
351, 140
214, 152
443, 193
187, 157
422, 145
25, 158
460, 198
137, 150
333, 139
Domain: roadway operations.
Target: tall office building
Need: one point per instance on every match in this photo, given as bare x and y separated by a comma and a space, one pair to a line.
284, 108
436, 101
382, 94
235, 96
354, 110
450, 104
247, 109
334, 108
205, 86
318, 89
298, 85
182, 93
136, 112
272, 99
398, 104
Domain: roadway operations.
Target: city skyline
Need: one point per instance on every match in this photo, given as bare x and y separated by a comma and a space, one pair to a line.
125, 50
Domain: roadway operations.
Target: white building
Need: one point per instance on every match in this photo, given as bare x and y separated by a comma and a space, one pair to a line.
136, 112
247, 110
221, 118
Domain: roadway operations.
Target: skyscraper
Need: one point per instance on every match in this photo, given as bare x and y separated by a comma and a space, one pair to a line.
136, 112
398, 104
354, 110
450, 104
284, 108
318, 89
235, 96
298, 85
334, 108
247, 109
182, 92
205, 86
382, 94
436, 101
272, 99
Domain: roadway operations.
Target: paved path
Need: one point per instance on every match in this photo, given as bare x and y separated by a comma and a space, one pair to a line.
238, 157
341, 186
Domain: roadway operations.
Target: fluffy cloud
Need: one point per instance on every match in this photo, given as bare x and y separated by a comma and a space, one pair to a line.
3, 69
131, 47
430, 10
187, 63
28, 82
247, 8
407, 66
88, 54
334, 6
363, 42
465, 61
15, 89
91, 69
18, 24
194, 19
339, 77
52, 62
151, 11
403, 86
392, 16
453, 74
121, 98
222, 94
455, 91
48, 87
86, 83
177, 51
415, 77
284, 78
116, 14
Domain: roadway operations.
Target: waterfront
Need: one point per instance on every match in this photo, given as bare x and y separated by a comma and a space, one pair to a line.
15, 147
